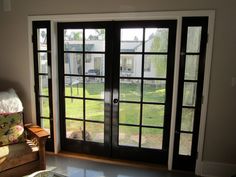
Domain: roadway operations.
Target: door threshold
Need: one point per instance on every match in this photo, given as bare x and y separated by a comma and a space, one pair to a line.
113, 161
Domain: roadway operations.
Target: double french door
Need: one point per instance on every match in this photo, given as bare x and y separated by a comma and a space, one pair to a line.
116, 85
116, 88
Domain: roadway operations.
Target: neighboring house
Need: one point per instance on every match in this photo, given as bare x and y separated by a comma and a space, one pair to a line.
130, 64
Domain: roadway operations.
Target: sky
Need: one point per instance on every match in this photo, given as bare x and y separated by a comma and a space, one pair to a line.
127, 34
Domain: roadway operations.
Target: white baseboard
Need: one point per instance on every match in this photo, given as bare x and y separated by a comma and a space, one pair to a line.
214, 169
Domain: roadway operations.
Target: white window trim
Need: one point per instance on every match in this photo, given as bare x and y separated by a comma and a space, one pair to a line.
168, 15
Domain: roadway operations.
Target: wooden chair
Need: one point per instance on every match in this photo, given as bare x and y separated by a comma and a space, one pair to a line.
27, 157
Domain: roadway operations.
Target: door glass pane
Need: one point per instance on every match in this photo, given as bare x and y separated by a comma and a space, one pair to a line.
130, 89
155, 66
42, 39
153, 115
128, 136
74, 108
94, 110
185, 144
191, 67
130, 65
73, 63
194, 39
189, 94
43, 85
73, 40
152, 138
154, 91
156, 39
131, 40
74, 129
43, 62
94, 87
95, 64
44, 107
94, 132
95, 40
45, 124
73, 86
129, 113
187, 119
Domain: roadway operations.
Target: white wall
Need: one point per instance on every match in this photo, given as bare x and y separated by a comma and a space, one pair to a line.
220, 139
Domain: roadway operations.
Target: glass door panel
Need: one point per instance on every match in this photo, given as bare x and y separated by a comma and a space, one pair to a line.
43, 80
193, 46
144, 83
83, 57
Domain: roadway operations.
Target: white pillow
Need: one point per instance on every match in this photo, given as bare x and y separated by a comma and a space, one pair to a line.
10, 102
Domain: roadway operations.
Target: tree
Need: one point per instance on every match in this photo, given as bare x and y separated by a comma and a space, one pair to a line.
159, 44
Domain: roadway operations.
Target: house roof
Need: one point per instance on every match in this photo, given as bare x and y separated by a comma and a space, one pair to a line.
126, 46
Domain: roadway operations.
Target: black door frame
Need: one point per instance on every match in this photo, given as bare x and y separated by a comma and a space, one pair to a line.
84, 146
110, 147
185, 162
47, 25
149, 155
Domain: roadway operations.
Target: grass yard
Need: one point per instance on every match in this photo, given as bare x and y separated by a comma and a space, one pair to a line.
129, 113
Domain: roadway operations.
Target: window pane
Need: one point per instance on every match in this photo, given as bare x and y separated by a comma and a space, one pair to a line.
189, 95
152, 138
44, 107
154, 91
95, 110
185, 144
73, 63
43, 85
131, 40
130, 89
73, 86
45, 124
194, 39
155, 66
153, 115
95, 64
156, 39
187, 119
95, 40
128, 136
94, 87
73, 40
43, 62
129, 113
74, 108
42, 38
191, 67
94, 132
74, 129
130, 65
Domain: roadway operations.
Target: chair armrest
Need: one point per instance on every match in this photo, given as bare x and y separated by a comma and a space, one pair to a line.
36, 132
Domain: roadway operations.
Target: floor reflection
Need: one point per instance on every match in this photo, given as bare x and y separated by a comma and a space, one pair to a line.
85, 168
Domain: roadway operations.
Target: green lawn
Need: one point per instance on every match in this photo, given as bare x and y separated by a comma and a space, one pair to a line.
129, 113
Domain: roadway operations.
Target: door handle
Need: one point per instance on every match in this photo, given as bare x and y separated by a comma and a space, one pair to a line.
115, 100
177, 132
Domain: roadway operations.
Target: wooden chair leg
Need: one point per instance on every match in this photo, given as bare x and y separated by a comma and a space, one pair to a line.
42, 154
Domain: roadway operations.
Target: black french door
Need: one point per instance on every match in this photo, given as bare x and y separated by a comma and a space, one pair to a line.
116, 88
191, 75
43, 78
142, 90
85, 87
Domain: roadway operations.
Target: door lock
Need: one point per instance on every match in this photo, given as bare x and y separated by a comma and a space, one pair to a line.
177, 132
115, 100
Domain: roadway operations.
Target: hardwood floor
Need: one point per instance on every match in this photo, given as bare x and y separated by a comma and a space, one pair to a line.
90, 166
